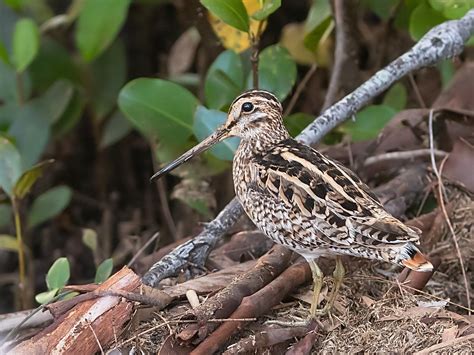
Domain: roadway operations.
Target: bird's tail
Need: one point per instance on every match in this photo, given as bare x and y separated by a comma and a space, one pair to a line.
412, 258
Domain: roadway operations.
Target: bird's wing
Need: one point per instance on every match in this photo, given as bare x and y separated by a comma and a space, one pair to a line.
342, 206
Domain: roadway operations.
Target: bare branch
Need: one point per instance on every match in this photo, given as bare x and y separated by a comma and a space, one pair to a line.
443, 41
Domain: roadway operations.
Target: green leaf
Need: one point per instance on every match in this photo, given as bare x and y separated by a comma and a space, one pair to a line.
5, 215
47, 296
52, 63
205, 123
28, 178
452, 9
58, 274
89, 238
159, 108
70, 116
319, 19
10, 165
269, 7
447, 70
15, 4
108, 75
52, 104
296, 122
104, 270
396, 97
232, 12
224, 80
369, 122
116, 128
276, 71
9, 243
8, 84
25, 43
98, 24
49, 205
422, 19
4, 54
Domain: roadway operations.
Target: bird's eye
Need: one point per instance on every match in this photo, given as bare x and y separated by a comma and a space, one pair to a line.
247, 107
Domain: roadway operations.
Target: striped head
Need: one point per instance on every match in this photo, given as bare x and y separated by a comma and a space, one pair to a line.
255, 117
255, 113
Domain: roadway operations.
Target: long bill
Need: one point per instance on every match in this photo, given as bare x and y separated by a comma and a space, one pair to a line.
219, 135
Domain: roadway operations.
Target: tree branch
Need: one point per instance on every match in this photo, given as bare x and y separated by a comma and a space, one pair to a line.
443, 41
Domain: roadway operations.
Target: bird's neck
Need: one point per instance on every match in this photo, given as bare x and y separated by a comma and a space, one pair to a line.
262, 141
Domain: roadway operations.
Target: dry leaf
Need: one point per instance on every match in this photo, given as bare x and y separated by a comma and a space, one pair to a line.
232, 38
182, 52
449, 334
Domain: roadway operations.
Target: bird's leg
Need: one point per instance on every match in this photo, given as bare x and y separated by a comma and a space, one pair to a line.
317, 285
338, 277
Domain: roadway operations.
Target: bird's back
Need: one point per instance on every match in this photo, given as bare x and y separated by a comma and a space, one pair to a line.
314, 205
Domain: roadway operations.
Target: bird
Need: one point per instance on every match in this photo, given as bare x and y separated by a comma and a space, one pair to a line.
304, 200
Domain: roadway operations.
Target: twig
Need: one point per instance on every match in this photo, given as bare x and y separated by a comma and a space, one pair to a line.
441, 193
299, 89
344, 51
255, 40
455, 238
444, 344
140, 251
256, 305
419, 98
443, 41
96, 338
410, 154
179, 321
163, 199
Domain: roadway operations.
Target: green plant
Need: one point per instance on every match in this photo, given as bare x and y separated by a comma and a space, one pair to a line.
58, 277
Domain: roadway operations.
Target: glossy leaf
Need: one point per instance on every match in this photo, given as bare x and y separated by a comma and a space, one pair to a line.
269, 7
104, 270
234, 39
319, 19
232, 12
47, 296
49, 205
10, 165
5, 215
296, 122
205, 123
26, 40
224, 80
422, 19
89, 238
107, 76
159, 109
8, 242
369, 122
116, 128
452, 9
396, 97
276, 71
28, 178
58, 274
98, 24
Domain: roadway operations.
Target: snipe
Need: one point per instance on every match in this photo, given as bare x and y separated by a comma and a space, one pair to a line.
304, 200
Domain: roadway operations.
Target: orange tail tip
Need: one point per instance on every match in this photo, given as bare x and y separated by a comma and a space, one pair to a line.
418, 262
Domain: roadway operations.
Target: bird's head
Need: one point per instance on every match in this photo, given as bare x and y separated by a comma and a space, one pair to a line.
253, 114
